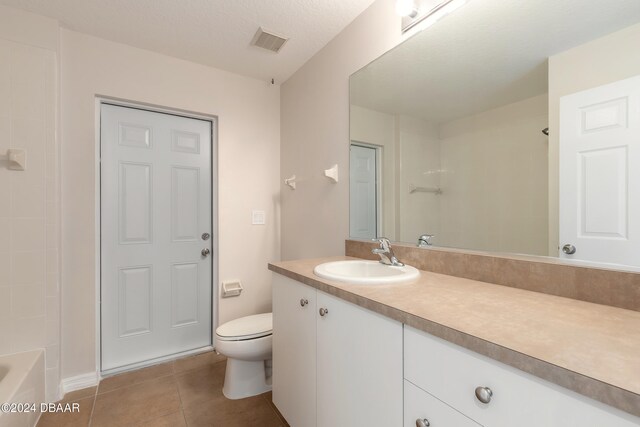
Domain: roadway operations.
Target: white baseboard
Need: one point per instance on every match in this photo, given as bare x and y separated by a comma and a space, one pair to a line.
79, 382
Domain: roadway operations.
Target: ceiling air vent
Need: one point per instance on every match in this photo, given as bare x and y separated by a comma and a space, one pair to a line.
268, 41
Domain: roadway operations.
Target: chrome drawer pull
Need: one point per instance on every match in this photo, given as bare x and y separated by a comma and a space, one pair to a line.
422, 422
484, 394
303, 302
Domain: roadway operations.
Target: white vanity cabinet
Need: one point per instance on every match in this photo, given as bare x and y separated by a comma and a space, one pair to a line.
452, 374
334, 363
294, 351
423, 410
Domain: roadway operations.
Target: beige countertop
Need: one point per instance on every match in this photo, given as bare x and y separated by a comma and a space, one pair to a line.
589, 348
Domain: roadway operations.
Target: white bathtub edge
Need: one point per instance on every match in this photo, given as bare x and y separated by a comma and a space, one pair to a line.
24, 383
17, 374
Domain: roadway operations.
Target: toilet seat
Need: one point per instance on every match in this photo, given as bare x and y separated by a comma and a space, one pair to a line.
246, 328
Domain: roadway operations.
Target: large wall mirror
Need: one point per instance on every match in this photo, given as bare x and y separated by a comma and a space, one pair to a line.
508, 126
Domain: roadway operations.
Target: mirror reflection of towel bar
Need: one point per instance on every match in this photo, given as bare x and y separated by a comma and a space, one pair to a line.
415, 189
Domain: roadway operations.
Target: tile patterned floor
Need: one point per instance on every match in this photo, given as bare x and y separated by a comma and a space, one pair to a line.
186, 392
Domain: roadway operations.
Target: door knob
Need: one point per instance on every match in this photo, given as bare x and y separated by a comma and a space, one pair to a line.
422, 422
205, 252
324, 311
569, 249
484, 394
303, 302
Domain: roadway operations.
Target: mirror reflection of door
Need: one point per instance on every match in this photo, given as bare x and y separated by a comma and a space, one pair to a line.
600, 174
363, 187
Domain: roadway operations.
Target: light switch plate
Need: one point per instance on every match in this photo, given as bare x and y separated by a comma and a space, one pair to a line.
258, 217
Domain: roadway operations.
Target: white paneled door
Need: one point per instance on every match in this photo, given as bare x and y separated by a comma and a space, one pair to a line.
363, 209
156, 225
600, 174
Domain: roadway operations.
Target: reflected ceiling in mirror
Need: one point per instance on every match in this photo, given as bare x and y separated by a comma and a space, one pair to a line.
459, 132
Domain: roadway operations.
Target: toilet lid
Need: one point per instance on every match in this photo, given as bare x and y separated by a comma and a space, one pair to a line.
248, 327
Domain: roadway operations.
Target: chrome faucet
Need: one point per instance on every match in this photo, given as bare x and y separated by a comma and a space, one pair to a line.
385, 252
425, 240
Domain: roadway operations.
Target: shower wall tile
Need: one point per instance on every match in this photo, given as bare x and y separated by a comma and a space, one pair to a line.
5, 135
30, 202
52, 261
27, 301
5, 78
28, 79
27, 268
52, 333
5, 234
27, 334
51, 189
52, 356
30, 135
5, 303
27, 234
52, 236
52, 214
52, 308
5, 269
5, 195
5, 337
52, 383
52, 286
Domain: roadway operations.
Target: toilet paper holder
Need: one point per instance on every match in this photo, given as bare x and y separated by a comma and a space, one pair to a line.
231, 289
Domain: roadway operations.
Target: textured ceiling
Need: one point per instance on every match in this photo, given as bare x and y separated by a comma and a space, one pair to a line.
487, 54
212, 32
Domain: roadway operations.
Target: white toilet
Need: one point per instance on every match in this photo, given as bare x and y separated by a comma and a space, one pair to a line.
247, 344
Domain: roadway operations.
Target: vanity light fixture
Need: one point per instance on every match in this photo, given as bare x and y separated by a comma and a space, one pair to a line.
427, 12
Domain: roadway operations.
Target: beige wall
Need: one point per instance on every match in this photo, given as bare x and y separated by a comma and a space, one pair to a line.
315, 134
29, 200
248, 171
605, 60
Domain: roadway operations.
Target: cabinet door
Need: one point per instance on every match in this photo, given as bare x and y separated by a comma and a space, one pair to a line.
420, 405
359, 366
294, 351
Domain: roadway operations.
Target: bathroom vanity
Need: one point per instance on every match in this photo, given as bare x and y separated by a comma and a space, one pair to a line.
448, 351
337, 363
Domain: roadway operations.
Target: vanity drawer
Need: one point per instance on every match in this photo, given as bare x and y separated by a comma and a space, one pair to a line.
420, 405
452, 374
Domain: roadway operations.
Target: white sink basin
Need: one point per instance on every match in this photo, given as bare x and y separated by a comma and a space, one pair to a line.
365, 272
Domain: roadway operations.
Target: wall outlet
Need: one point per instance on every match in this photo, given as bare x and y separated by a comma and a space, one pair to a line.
258, 217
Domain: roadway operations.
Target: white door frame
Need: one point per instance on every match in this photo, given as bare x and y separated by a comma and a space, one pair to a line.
378, 149
99, 100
